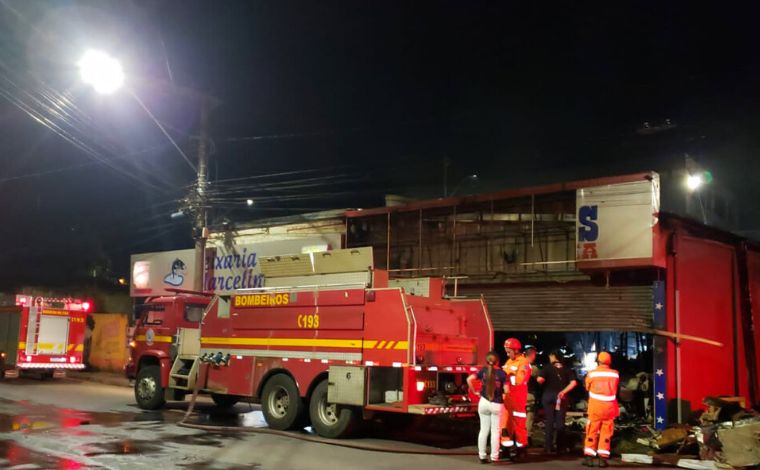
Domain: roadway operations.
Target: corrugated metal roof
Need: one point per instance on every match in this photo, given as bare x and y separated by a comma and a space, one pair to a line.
568, 307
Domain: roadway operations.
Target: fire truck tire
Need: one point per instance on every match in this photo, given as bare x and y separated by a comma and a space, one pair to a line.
281, 403
224, 401
328, 419
148, 390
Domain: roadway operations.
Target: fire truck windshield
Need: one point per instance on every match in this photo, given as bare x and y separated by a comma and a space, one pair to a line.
151, 314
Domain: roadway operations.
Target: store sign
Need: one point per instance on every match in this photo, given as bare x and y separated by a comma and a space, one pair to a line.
615, 222
154, 273
226, 269
239, 267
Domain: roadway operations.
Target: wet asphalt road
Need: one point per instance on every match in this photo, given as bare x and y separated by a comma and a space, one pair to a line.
67, 424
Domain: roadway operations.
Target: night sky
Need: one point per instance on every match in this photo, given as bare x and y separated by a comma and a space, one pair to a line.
333, 104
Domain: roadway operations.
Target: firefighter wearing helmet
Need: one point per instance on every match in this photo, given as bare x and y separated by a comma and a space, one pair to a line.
602, 385
514, 427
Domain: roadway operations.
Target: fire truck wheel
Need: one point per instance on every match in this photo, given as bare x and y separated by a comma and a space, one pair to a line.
224, 401
148, 391
281, 404
328, 419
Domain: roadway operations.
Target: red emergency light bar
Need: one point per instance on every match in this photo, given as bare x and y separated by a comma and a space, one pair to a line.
67, 303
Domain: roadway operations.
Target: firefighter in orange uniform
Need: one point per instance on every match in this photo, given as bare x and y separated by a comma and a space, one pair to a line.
514, 427
602, 385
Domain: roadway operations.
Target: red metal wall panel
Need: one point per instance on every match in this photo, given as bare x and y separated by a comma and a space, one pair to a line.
706, 307
753, 268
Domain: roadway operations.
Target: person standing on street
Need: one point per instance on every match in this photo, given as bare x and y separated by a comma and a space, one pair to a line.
490, 405
602, 385
558, 381
530, 406
514, 431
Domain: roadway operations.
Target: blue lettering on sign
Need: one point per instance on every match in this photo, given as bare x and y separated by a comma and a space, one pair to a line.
228, 283
237, 261
588, 231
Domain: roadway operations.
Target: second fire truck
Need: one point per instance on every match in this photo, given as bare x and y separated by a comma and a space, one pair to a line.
44, 335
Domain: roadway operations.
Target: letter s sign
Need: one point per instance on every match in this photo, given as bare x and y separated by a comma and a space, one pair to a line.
588, 230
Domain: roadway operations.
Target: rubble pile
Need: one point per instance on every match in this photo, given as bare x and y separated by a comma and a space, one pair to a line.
725, 436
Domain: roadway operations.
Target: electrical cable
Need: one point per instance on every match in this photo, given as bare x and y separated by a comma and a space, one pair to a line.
60, 131
161, 127
76, 166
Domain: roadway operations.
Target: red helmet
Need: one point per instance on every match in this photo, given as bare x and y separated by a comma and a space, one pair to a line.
513, 343
604, 358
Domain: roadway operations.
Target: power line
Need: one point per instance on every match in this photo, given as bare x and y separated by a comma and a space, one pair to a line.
76, 166
147, 111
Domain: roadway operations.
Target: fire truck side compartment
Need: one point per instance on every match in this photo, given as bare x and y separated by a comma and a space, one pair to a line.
345, 385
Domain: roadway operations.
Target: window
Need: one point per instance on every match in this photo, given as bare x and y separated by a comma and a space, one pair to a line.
151, 314
194, 312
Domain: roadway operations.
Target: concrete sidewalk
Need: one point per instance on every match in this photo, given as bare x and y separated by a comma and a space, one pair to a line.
108, 378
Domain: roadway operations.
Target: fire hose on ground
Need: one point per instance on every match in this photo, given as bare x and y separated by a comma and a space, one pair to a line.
318, 440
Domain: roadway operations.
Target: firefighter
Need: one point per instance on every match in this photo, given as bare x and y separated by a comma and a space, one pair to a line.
602, 384
514, 429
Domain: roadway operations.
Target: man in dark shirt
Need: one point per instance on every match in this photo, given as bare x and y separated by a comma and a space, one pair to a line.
558, 381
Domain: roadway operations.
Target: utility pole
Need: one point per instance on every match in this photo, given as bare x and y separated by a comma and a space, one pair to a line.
200, 230
446, 163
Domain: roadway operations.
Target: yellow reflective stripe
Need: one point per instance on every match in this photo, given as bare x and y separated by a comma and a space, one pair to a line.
303, 342
64, 313
156, 339
80, 348
71, 346
22, 345
49, 346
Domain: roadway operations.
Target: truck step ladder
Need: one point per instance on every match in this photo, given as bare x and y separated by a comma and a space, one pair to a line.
184, 372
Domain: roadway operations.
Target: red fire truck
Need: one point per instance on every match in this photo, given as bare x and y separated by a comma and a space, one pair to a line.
152, 348
332, 340
44, 335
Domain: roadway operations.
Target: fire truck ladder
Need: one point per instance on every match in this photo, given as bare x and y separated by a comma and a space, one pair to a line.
33, 332
184, 371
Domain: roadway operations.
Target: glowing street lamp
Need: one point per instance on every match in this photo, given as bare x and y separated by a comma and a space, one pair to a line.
101, 71
694, 182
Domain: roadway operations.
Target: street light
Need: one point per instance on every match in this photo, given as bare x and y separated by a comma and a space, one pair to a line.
105, 75
466, 178
101, 71
694, 182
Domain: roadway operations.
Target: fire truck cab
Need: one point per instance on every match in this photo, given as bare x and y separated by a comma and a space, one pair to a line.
330, 340
43, 335
152, 348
